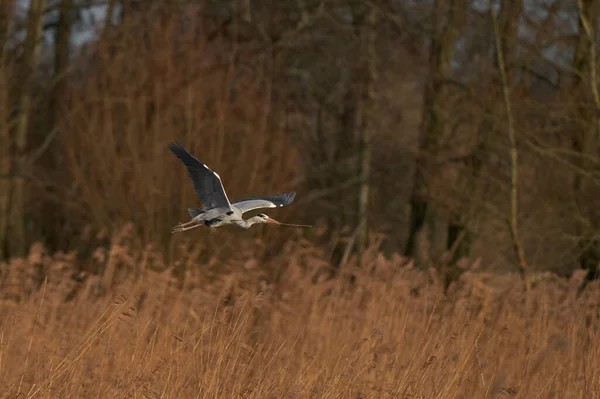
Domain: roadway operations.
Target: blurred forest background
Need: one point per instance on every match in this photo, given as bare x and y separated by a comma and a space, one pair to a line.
438, 130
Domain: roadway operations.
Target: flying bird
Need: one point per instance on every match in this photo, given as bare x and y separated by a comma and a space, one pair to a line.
217, 210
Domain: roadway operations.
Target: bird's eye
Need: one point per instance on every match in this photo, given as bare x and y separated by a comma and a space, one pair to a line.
262, 215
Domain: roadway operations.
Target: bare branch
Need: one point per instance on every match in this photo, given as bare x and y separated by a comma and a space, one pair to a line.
42, 148
592, 53
514, 191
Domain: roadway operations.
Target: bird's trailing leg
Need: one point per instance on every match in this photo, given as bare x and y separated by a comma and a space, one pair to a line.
190, 223
186, 226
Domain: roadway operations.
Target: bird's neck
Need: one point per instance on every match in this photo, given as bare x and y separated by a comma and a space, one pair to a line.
245, 224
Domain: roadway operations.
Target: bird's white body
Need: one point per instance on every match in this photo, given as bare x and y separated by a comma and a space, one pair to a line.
224, 216
217, 217
218, 211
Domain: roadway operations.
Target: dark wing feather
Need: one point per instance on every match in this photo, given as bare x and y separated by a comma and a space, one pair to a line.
207, 183
274, 201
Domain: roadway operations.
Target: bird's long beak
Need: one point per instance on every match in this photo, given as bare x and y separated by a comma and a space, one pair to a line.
271, 220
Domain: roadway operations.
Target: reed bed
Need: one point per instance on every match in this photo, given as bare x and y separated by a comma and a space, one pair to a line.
289, 327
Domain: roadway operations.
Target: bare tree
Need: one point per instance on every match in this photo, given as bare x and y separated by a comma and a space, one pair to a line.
586, 135
506, 44
365, 20
428, 235
6, 17
110, 12
31, 57
61, 58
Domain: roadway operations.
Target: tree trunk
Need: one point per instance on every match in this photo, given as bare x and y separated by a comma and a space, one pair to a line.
7, 9
356, 124
31, 56
52, 159
428, 235
6, 16
585, 139
110, 12
368, 38
61, 60
505, 43
508, 25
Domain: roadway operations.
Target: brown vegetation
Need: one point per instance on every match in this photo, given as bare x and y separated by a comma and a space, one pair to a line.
231, 330
385, 117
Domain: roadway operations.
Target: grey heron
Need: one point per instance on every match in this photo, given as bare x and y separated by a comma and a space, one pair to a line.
217, 210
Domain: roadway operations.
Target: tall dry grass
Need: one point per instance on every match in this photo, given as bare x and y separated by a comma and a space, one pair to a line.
283, 330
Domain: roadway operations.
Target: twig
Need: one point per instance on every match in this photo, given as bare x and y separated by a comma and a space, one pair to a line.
42, 148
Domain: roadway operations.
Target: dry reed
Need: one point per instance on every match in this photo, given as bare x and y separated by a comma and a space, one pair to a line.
226, 330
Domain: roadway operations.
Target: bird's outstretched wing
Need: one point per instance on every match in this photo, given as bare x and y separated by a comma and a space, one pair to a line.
274, 201
207, 183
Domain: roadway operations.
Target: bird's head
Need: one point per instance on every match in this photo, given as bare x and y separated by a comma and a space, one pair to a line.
262, 218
